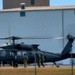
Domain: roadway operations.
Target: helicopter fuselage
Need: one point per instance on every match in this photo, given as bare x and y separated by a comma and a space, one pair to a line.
8, 56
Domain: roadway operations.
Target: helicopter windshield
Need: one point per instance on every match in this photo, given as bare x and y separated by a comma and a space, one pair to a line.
1, 49
6, 44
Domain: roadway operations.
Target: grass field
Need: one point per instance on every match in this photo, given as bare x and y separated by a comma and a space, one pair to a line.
39, 71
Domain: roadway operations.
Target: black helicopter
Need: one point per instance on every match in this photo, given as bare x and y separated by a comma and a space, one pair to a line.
9, 51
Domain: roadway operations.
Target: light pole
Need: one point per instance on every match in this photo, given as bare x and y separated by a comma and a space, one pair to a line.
35, 63
71, 63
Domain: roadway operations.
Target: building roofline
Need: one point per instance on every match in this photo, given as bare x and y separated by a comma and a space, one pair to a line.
37, 8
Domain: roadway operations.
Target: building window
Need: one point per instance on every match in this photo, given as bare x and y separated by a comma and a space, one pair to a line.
32, 2
74, 11
22, 13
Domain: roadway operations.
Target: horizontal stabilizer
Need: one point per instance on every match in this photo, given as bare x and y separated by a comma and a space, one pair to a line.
71, 55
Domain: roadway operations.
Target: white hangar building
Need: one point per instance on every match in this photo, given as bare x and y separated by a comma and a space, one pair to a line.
40, 22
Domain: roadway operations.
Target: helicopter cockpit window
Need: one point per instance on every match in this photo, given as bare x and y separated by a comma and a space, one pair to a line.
1, 49
3, 53
12, 54
24, 52
19, 53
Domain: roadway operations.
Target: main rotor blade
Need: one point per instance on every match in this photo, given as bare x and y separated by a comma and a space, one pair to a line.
60, 38
68, 37
36, 37
11, 38
17, 38
42, 38
3, 38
